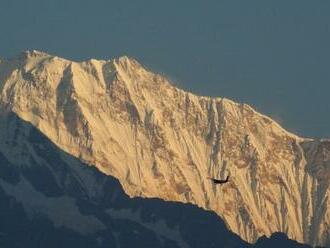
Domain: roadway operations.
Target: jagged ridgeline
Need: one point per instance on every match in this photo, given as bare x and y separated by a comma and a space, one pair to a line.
162, 142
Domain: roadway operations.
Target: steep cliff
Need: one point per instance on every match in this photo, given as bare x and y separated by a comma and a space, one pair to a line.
163, 142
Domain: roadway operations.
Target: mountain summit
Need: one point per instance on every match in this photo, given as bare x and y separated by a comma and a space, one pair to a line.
162, 142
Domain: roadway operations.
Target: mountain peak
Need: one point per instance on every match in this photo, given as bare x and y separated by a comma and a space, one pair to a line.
127, 64
163, 142
28, 54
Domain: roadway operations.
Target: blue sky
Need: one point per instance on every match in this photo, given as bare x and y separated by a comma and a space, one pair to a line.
273, 55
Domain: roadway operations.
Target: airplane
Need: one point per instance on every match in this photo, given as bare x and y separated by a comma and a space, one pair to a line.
217, 181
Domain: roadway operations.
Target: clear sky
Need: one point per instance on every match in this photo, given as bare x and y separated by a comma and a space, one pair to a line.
274, 55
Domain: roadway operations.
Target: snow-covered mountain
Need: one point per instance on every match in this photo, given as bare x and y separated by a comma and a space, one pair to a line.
159, 142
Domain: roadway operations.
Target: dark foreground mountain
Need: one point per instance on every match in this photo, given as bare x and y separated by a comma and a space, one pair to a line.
50, 199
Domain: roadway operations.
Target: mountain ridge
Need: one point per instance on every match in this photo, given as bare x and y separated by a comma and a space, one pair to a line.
160, 141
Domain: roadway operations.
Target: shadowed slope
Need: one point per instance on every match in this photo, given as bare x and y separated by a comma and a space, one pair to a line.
37, 178
114, 219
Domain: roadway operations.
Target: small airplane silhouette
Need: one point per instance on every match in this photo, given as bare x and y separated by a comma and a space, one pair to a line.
217, 181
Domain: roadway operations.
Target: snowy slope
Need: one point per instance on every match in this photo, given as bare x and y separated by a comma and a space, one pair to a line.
162, 142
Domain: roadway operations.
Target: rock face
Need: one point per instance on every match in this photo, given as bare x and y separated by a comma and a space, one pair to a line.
162, 142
